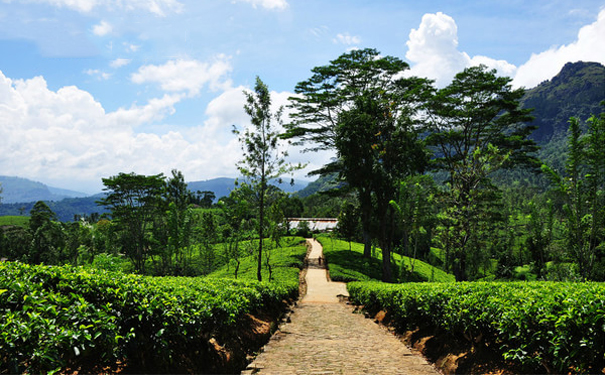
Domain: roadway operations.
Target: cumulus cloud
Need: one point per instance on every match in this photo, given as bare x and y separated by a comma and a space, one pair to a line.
347, 39
66, 135
102, 29
186, 75
267, 4
157, 7
66, 138
433, 51
588, 46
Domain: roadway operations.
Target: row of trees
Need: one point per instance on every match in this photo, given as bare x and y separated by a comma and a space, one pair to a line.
155, 224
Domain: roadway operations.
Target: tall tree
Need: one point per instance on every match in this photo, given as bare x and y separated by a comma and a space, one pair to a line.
263, 160
134, 201
477, 127
583, 190
47, 235
175, 229
360, 107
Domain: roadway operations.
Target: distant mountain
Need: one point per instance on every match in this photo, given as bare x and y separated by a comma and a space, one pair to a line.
576, 91
323, 183
65, 209
20, 194
16, 190
222, 186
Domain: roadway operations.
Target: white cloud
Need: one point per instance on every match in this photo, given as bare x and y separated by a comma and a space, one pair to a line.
157, 7
267, 4
103, 76
433, 51
102, 29
319, 32
589, 46
131, 47
66, 138
186, 75
347, 39
118, 63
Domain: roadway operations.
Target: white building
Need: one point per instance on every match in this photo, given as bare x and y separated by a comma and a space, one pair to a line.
315, 224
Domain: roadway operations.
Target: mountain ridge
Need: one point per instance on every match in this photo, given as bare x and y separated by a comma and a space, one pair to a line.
576, 90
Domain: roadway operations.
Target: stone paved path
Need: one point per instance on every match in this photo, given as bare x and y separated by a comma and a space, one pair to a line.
325, 337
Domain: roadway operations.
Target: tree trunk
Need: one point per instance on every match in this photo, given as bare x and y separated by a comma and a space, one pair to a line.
365, 202
387, 275
261, 222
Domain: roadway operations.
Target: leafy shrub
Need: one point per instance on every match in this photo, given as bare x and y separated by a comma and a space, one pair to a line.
55, 317
560, 326
350, 265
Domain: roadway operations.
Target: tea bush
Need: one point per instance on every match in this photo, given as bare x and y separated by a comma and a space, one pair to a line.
557, 325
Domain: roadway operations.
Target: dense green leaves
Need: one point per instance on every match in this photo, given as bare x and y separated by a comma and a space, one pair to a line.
476, 127
54, 317
360, 106
134, 200
560, 326
582, 189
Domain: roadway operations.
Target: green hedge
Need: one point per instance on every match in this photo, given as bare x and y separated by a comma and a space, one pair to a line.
286, 262
560, 326
350, 265
53, 317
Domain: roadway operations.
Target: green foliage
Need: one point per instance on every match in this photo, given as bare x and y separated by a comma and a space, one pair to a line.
348, 222
55, 317
557, 325
262, 160
286, 263
582, 189
109, 262
134, 201
350, 265
303, 229
476, 129
360, 106
19, 221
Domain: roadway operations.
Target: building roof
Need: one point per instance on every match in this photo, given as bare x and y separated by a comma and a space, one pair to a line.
315, 224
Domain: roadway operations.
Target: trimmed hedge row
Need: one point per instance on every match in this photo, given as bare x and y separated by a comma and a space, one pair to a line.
560, 326
53, 317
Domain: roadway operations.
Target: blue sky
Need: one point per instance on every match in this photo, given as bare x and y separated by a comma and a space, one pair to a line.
91, 88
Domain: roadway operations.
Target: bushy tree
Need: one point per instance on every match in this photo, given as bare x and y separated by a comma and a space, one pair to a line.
134, 201
477, 127
359, 106
348, 222
47, 237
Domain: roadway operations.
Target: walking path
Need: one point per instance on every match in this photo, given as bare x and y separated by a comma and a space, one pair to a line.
325, 337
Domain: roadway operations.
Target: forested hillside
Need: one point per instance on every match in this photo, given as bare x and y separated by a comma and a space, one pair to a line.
17, 190
576, 91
